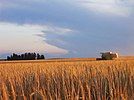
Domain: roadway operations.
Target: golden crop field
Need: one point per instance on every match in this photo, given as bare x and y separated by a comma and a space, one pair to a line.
80, 79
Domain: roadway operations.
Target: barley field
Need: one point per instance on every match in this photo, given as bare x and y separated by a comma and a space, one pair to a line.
77, 79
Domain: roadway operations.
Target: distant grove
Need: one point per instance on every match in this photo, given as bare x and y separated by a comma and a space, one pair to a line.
25, 56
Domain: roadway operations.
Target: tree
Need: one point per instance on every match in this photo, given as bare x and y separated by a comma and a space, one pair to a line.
8, 58
38, 56
42, 57
25, 56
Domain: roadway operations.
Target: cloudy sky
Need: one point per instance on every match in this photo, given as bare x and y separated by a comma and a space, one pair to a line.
67, 28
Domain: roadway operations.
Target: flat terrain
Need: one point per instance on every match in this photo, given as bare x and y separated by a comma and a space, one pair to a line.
51, 60
67, 79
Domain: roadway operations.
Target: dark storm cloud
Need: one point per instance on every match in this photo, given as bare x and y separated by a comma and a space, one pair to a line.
93, 30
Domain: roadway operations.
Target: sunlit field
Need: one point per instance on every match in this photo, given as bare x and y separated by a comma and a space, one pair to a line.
76, 79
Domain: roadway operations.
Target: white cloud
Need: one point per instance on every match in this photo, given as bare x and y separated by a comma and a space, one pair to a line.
23, 38
109, 7
58, 30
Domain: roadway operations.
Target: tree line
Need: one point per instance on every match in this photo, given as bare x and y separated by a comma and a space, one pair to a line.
25, 56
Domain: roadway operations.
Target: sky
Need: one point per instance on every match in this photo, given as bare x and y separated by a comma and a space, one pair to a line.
66, 28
